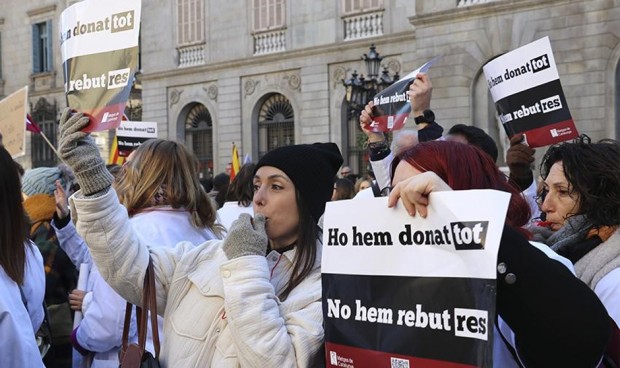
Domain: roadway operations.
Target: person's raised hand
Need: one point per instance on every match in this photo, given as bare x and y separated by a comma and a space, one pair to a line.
78, 150
365, 121
413, 192
62, 203
420, 93
519, 159
246, 237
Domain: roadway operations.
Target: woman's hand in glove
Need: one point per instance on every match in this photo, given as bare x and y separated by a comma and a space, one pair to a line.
246, 237
78, 150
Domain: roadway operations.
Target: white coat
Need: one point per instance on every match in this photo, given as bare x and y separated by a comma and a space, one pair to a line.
217, 312
18, 324
166, 226
230, 211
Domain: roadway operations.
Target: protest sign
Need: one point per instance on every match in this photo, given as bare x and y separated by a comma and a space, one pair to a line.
391, 105
12, 122
99, 46
131, 134
411, 292
528, 95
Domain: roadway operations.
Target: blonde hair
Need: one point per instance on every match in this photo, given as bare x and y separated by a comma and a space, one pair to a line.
166, 169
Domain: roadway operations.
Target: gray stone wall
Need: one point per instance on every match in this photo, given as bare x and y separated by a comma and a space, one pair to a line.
584, 37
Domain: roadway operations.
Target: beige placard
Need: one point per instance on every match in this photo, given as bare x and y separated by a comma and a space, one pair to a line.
13, 122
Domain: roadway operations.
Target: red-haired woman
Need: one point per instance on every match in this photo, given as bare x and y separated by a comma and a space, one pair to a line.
547, 316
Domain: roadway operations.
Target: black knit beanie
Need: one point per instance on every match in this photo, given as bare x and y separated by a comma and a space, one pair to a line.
311, 167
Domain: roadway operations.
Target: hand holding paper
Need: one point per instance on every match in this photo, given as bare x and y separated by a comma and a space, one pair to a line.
78, 150
414, 192
76, 297
365, 124
420, 92
519, 159
392, 105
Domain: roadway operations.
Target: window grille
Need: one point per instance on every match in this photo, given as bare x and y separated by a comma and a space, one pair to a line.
199, 137
44, 114
276, 124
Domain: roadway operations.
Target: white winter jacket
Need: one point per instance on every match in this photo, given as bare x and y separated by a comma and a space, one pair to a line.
165, 226
18, 323
217, 312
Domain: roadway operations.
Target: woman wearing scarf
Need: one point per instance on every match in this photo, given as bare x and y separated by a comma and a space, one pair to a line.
581, 202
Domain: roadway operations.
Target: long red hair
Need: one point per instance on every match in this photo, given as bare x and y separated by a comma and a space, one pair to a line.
463, 166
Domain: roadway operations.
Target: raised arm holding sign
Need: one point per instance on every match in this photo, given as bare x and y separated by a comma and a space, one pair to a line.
99, 46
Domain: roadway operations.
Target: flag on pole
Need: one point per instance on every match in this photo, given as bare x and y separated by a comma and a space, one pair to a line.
236, 163
31, 126
115, 157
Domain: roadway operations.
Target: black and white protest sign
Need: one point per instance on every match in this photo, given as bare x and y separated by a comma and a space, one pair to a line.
528, 95
131, 134
405, 290
99, 46
391, 105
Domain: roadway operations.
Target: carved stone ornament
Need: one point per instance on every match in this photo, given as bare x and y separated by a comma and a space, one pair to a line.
250, 86
393, 66
175, 96
338, 75
294, 81
212, 92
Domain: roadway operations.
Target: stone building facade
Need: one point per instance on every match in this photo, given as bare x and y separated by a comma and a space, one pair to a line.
265, 73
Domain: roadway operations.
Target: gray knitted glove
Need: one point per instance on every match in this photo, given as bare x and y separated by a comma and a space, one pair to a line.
78, 150
245, 238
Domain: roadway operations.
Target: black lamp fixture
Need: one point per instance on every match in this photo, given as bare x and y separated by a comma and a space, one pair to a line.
360, 89
373, 61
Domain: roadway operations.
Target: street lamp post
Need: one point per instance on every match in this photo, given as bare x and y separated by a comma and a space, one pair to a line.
359, 91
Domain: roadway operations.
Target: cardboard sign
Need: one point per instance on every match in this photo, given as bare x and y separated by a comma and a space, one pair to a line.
131, 134
99, 46
528, 95
392, 106
13, 109
405, 290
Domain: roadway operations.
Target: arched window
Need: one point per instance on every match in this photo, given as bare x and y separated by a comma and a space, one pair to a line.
199, 137
44, 114
276, 124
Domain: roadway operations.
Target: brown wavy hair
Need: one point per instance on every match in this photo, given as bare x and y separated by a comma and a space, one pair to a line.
166, 169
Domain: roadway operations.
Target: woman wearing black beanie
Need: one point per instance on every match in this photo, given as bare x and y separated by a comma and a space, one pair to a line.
251, 300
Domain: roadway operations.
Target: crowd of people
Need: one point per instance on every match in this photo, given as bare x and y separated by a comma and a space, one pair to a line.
237, 263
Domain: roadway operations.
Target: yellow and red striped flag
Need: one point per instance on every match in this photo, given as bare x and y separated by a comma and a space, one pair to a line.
115, 157
236, 163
